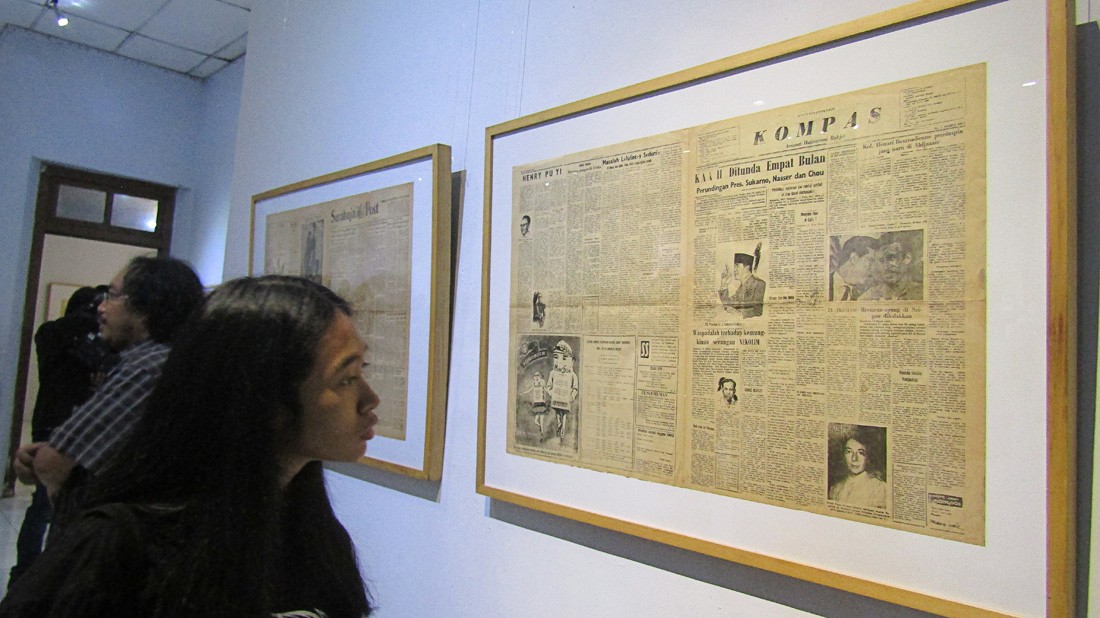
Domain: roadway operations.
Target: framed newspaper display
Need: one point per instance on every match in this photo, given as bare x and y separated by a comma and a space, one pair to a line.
796, 302
379, 234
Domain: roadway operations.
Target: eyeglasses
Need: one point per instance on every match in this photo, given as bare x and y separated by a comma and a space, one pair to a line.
113, 294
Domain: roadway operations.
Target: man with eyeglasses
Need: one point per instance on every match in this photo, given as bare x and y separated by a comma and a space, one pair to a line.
146, 303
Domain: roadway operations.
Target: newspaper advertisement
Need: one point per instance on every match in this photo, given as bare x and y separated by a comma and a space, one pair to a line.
361, 247
786, 307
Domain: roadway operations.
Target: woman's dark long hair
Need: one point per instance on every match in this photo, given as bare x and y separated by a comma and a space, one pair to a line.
225, 409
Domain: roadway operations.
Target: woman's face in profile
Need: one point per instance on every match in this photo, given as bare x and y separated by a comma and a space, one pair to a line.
337, 403
855, 456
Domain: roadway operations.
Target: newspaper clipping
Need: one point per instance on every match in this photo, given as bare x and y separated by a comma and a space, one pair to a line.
360, 246
786, 307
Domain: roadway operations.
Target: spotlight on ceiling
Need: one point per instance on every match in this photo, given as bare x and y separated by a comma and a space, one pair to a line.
61, 19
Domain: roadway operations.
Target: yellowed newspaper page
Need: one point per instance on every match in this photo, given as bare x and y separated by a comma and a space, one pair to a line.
826, 349
360, 246
838, 315
597, 268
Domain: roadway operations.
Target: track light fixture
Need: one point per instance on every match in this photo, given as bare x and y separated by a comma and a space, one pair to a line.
61, 19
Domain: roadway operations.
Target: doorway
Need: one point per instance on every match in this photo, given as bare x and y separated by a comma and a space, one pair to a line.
87, 226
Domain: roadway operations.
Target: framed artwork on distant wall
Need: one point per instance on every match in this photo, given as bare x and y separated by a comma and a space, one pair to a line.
57, 298
378, 234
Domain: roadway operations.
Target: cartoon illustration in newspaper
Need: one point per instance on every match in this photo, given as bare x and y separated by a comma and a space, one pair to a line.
547, 381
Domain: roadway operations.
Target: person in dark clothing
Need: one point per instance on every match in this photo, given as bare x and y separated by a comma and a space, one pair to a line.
65, 369
215, 504
69, 356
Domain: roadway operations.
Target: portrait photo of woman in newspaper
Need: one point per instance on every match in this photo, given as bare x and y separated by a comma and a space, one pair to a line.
858, 465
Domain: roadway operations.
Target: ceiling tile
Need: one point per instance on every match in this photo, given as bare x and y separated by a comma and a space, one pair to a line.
19, 12
189, 30
208, 67
81, 31
234, 50
201, 25
125, 14
160, 54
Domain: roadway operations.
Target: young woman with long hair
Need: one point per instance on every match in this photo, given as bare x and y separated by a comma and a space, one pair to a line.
216, 504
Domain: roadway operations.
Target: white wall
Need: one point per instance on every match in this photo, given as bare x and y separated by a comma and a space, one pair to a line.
200, 233
337, 84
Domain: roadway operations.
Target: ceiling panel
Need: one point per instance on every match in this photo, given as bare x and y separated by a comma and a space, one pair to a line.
160, 54
81, 31
209, 67
125, 14
194, 37
21, 14
234, 50
202, 25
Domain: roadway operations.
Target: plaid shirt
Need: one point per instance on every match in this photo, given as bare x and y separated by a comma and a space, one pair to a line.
101, 422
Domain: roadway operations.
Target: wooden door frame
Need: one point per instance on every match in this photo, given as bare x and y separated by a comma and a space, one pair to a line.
46, 222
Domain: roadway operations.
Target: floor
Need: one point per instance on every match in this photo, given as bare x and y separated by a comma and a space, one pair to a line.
11, 517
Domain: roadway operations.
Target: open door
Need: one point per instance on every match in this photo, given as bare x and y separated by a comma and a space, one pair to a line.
87, 226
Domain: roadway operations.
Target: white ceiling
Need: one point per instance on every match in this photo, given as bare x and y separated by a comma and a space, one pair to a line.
193, 37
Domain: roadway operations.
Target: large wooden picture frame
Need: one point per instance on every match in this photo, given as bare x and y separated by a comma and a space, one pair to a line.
1024, 562
418, 186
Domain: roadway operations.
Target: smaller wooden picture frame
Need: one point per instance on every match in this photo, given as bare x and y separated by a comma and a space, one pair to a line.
413, 191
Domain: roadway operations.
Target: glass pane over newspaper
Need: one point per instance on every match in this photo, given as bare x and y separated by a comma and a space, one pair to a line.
786, 307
